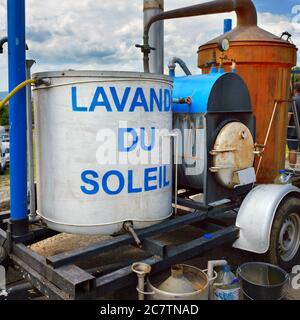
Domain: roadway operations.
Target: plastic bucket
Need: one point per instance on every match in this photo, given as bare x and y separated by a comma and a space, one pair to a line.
263, 281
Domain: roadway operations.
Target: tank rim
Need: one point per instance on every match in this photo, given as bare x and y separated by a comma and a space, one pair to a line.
102, 74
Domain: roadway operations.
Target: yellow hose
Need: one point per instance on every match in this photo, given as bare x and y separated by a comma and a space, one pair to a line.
15, 90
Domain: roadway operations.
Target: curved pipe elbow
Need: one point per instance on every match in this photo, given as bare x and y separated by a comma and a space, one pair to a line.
181, 63
3, 41
246, 13
245, 10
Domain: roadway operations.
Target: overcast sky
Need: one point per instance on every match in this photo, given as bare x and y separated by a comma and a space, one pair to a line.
101, 34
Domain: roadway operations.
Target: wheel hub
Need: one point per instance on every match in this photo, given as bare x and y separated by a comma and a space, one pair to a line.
289, 237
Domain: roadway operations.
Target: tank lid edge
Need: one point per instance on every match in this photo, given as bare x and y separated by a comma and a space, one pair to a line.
102, 74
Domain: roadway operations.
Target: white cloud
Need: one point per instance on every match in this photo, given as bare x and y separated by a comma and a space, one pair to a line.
89, 34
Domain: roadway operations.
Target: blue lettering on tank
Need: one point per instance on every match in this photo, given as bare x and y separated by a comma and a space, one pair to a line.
139, 101
154, 100
75, 106
154, 178
131, 188
121, 140
105, 178
152, 139
167, 100
92, 183
159, 100
104, 102
120, 105
148, 178
166, 181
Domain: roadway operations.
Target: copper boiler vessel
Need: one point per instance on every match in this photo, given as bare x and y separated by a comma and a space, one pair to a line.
264, 61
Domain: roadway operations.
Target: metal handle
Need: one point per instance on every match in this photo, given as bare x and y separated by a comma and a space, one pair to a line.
213, 278
143, 292
217, 151
217, 169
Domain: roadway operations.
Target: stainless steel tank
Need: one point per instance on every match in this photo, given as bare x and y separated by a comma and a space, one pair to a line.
97, 134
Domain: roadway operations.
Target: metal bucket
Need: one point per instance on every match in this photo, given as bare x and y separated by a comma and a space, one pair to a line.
262, 281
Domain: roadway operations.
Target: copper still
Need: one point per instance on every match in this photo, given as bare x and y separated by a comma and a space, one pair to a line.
264, 61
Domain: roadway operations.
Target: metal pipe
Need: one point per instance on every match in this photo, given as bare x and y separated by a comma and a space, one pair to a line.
32, 214
227, 25
267, 136
181, 63
17, 116
128, 227
245, 10
142, 270
3, 41
187, 100
156, 34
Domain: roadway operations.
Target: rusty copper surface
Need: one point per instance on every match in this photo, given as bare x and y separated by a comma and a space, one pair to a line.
264, 61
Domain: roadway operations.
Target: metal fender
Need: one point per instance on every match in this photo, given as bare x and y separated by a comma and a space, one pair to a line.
256, 215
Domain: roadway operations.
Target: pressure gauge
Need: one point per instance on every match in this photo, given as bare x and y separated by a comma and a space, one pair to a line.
224, 45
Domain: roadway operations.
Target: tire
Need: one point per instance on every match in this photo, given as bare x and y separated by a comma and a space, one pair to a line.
285, 235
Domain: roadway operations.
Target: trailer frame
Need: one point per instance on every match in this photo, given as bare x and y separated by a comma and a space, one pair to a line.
58, 277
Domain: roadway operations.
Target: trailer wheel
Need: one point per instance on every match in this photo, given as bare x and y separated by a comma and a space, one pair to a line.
285, 235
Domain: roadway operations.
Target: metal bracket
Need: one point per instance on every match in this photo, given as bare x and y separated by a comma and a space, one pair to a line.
217, 169
217, 151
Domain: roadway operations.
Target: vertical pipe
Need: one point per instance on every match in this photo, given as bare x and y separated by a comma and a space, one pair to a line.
17, 116
172, 72
29, 64
156, 34
227, 25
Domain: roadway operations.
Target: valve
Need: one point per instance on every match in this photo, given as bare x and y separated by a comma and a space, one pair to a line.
145, 48
187, 100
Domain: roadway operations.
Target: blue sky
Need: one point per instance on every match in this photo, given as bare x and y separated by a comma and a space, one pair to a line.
276, 6
101, 35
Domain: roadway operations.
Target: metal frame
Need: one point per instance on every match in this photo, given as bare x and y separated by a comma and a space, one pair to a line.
58, 276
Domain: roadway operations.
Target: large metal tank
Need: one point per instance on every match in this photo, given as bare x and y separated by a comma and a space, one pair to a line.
91, 134
264, 61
